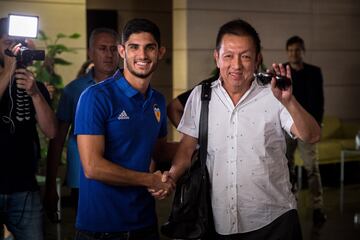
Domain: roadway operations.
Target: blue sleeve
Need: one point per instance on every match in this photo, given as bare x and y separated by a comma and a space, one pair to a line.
91, 113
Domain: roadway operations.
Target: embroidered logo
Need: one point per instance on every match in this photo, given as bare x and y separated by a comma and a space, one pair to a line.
123, 116
157, 112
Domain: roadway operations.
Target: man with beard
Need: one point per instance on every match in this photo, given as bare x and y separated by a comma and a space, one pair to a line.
120, 126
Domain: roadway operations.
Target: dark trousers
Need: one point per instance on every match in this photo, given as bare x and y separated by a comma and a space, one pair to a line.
285, 227
148, 233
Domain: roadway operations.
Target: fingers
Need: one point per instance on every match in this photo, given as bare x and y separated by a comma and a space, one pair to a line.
25, 80
164, 187
288, 71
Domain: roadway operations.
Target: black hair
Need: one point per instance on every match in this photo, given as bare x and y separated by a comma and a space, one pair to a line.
295, 39
98, 31
4, 26
238, 27
139, 25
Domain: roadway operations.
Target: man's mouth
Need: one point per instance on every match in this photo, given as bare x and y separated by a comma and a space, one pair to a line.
142, 63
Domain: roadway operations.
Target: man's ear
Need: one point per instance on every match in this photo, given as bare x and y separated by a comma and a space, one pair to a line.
121, 50
162, 51
216, 57
90, 54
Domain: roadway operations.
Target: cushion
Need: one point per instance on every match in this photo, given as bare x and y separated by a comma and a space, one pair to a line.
331, 127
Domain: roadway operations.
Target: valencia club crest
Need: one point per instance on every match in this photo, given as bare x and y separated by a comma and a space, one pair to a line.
157, 112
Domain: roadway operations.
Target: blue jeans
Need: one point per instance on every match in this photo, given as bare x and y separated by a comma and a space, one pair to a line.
22, 213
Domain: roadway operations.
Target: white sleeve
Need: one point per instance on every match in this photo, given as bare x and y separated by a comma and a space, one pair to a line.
286, 120
189, 123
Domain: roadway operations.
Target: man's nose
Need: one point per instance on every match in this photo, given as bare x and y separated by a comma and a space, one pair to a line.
237, 62
109, 52
142, 53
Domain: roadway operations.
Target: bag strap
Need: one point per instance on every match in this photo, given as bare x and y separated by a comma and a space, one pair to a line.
203, 128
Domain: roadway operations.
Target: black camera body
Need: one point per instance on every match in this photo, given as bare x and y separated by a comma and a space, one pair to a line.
25, 57
282, 82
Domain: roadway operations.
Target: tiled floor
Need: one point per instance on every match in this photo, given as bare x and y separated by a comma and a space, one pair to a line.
340, 223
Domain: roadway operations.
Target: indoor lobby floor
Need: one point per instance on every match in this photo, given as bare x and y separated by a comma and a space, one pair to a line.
343, 221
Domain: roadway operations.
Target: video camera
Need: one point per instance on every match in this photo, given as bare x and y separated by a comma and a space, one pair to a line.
22, 27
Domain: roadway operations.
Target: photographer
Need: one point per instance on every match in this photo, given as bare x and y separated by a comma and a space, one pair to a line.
19, 142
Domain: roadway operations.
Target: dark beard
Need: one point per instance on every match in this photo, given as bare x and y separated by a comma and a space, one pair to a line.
139, 75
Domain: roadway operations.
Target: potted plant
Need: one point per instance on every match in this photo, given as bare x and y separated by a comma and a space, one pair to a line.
45, 72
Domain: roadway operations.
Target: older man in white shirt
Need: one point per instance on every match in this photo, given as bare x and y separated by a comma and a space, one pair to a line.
251, 193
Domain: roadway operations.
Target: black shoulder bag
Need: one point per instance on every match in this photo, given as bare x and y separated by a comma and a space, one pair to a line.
191, 214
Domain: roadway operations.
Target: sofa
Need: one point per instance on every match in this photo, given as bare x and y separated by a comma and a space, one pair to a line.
336, 135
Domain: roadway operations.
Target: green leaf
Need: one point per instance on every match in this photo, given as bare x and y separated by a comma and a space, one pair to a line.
56, 80
58, 49
74, 36
61, 35
61, 61
42, 36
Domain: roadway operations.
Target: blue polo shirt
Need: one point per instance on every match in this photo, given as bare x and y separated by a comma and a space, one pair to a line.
66, 113
131, 125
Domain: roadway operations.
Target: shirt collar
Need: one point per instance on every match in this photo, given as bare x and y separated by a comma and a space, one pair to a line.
128, 90
90, 76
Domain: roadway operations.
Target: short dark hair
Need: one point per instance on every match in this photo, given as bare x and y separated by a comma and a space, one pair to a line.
4, 26
295, 39
139, 25
238, 27
98, 31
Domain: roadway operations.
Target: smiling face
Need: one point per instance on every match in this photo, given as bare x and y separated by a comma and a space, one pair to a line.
237, 60
141, 54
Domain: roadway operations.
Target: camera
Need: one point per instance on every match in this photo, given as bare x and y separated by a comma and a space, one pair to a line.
25, 56
21, 27
282, 82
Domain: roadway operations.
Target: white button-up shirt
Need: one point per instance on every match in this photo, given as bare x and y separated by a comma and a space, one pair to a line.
246, 156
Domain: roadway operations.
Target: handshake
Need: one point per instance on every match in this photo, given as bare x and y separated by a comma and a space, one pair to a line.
162, 185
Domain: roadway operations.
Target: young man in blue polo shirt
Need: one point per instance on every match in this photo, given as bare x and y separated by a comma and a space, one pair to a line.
120, 125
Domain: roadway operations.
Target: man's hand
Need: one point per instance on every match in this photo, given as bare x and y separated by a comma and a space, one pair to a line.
9, 64
25, 80
163, 190
283, 95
